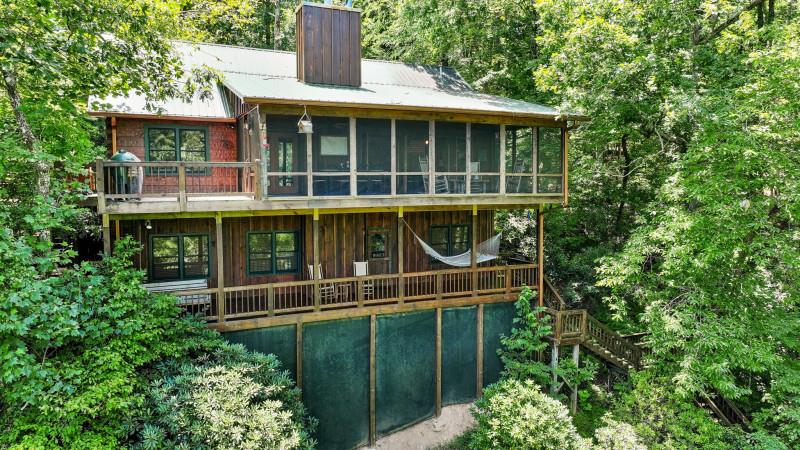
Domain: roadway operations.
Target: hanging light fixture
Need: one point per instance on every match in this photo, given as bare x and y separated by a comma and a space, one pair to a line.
304, 125
148, 225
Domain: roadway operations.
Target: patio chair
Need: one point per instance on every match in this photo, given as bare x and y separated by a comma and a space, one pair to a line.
361, 269
327, 292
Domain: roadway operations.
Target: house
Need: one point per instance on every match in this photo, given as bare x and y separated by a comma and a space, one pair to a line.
301, 194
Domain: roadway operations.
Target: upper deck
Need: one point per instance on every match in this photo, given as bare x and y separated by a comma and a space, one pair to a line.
351, 160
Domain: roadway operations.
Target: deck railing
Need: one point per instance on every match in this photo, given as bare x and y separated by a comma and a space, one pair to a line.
271, 299
577, 326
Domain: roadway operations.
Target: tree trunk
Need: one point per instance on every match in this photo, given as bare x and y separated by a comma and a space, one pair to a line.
42, 167
626, 167
276, 22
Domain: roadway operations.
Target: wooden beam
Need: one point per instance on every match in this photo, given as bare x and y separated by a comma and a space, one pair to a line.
566, 167
106, 235
117, 230
438, 400
373, 435
540, 254
115, 114
367, 310
401, 286
576, 357
535, 158
393, 157
309, 165
473, 257
479, 352
220, 271
431, 157
182, 185
315, 268
113, 136
298, 329
100, 185
468, 158
502, 159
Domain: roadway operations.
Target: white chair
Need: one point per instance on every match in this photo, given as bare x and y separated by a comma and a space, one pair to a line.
361, 269
327, 292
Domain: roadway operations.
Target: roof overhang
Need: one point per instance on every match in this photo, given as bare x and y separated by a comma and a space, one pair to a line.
161, 117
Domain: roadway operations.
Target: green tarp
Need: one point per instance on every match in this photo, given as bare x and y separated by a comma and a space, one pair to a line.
498, 319
405, 360
336, 381
459, 355
280, 341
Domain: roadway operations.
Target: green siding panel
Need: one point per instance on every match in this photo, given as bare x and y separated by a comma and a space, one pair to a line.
459, 354
336, 381
280, 341
498, 319
405, 369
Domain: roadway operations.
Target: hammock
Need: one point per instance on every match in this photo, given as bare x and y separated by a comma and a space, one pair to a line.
486, 251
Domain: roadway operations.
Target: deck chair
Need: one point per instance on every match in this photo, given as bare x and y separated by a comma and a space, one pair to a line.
441, 184
327, 292
361, 269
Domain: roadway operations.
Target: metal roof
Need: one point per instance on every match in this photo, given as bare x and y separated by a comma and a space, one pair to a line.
215, 107
258, 75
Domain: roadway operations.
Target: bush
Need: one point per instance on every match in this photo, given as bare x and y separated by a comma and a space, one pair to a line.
615, 435
230, 398
515, 414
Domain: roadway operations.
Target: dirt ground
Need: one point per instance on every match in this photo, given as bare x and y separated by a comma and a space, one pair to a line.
455, 419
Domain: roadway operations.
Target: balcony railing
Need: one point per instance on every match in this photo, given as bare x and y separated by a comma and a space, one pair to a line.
273, 299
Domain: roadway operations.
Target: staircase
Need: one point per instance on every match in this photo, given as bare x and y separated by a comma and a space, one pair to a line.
577, 326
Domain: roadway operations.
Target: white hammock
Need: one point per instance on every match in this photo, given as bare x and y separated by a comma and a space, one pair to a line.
487, 251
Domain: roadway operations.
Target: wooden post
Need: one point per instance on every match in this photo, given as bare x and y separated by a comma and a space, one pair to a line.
117, 230
106, 235
182, 185
220, 272
309, 166
315, 267
553, 365
438, 362
535, 159
298, 353
473, 257
372, 425
468, 183
393, 155
258, 188
353, 159
439, 286
360, 292
479, 352
573, 397
432, 157
565, 166
270, 300
401, 285
540, 253
100, 185
113, 136
502, 159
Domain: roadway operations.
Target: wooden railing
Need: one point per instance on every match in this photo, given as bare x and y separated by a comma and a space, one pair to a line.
266, 300
176, 180
577, 326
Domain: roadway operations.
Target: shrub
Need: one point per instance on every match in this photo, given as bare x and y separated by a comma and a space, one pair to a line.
515, 414
229, 398
615, 435
519, 351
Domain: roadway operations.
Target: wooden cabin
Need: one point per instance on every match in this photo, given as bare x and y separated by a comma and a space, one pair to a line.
234, 204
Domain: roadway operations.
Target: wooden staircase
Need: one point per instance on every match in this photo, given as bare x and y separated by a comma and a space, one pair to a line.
577, 326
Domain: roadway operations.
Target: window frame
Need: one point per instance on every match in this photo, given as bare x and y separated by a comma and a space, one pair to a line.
449, 228
181, 272
273, 250
176, 129
371, 231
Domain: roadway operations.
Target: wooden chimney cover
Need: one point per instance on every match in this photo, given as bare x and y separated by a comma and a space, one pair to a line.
328, 44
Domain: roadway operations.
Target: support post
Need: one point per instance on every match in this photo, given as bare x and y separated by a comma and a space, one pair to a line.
299, 351
113, 136
479, 352
432, 156
315, 267
372, 425
393, 155
553, 365
565, 166
270, 300
401, 285
468, 181
438, 362
502, 159
220, 271
353, 159
573, 397
309, 166
106, 235
473, 256
535, 158
258, 188
117, 230
540, 254
100, 185
182, 185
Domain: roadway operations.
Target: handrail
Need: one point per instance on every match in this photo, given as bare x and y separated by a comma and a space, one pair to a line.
550, 290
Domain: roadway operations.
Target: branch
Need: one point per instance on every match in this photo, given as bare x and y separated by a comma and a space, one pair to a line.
731, 20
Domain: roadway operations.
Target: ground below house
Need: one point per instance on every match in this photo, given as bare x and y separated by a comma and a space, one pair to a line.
454, 421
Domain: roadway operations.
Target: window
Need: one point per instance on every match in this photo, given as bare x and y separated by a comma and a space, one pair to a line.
286, 154
519, 160
450, 240
374, 151
485, 158
165, 143
285, 148
550, 161
376, 243
412, 156
451, 158
179, 257
270, 252
331, 153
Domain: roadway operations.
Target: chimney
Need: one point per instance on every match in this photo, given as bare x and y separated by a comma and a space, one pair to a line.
328, 44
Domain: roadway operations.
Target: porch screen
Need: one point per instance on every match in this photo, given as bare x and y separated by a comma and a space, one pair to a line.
331, 156
451, 158
550, 160
484, 158
412, 137
374, 144
519, 160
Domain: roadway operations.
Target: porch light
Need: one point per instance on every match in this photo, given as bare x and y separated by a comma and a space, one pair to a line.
148, 225
304, 125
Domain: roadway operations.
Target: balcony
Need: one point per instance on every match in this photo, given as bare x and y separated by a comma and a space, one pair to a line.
273, 303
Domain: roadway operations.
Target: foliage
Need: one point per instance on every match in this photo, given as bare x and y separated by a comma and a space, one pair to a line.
515, 414
73, 339
519, 352
227, 397
615, 435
